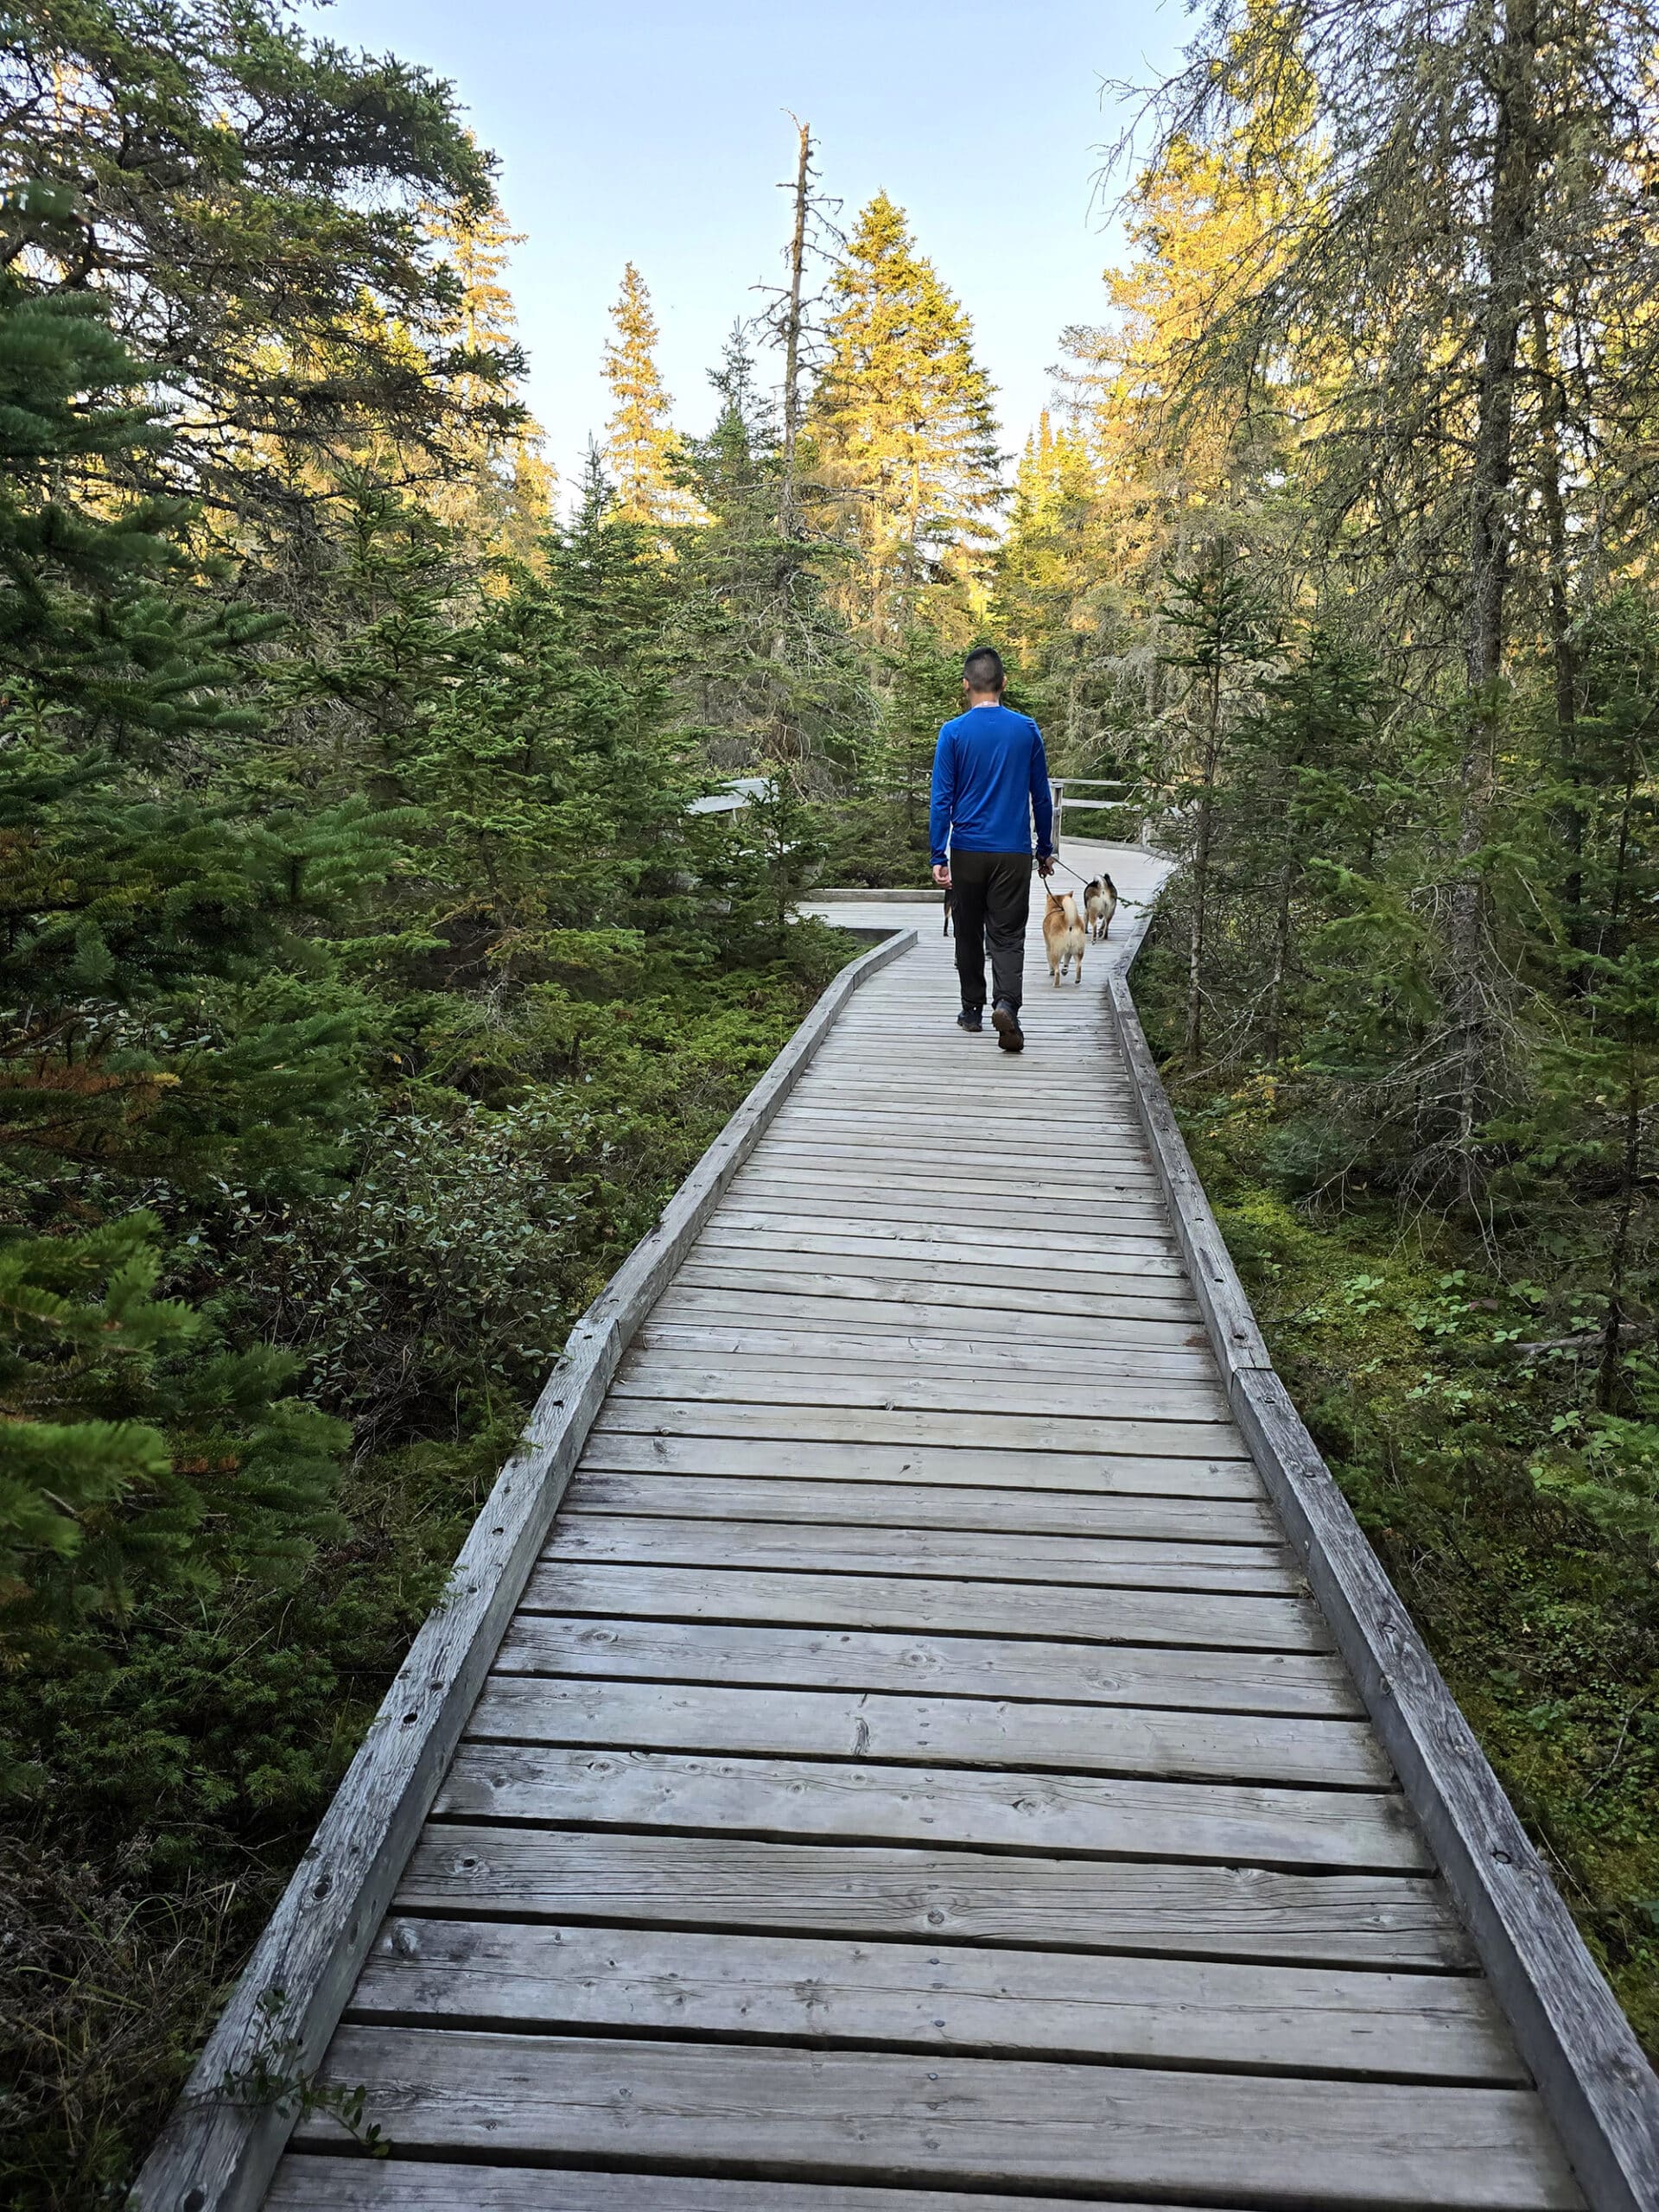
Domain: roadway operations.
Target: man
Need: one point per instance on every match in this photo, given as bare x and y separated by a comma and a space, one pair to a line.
989, 778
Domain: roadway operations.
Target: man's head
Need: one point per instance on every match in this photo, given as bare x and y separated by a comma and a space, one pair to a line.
981, 675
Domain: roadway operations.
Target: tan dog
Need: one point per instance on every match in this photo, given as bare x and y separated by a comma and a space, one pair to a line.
1099, 904
1063, 935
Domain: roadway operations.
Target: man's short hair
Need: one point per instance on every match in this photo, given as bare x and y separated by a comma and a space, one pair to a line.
982, 670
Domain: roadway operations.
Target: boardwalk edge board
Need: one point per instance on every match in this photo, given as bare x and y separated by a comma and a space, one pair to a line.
219, 2151
1600, 2093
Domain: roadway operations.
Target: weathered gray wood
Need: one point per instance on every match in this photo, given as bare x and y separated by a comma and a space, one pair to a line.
1099, 1562
1307, 1684
316, 2183
1162, 1292
969, 2122
1024, 1164
802, 1342
892, 1506
742, 1379
1149, 2011
1028, 1433
784, 1275
1120, 1184
876, 1727
1061, 1473
1226, 1309
1106, 1253
217, 2152
659, 1877
1194, 1620
1235, 1824
1076, 1216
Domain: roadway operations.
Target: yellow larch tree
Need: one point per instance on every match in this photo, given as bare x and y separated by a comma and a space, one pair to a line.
642, 448
902, 424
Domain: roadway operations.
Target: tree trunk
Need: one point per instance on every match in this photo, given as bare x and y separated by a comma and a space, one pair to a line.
1201, 873
1563, 661
1272, 1042
1607, 1374
1513, 192
789, 514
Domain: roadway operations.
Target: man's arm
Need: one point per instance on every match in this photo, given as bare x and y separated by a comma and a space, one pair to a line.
943, 802
1042, 799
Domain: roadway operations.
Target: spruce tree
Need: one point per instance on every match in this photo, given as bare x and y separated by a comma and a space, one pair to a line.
904, 424
163, 1016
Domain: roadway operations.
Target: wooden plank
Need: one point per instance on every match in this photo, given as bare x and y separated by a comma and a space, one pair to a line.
983, 1200
1087, 1178
1029, 1433
1025, 2004
960, 1555
882, 1201
1221, 1296
967, 2122
314, 2181
1113, 1252
893, 1505
1194, 1620
771, 1379
1159, 1291
1306, 1683
1084, 1816
1031, 1158
219, 2149
935, 1897
876, 1728
804, 1341
784, 1275
1068, 1474
961, 1312
1029, 1165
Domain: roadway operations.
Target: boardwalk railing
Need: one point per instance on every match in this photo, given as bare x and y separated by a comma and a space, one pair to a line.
217, 2153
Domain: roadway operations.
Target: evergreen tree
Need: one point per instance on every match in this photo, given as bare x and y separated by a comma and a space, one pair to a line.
501, 496
770, 671
641, 446
150, 1028
245, 200
1216, 618
903, 421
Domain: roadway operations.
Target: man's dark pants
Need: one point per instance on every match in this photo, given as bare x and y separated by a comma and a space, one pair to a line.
990, 898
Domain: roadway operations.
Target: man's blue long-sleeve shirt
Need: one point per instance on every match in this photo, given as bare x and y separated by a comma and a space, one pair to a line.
990, 776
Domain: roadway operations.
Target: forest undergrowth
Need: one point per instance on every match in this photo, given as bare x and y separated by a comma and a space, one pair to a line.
1446, 1371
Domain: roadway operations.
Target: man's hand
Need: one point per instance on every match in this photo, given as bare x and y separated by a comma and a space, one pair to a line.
1045, 866
941, 874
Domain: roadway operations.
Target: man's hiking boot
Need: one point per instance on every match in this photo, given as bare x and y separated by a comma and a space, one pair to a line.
1005, 1020
969, 1018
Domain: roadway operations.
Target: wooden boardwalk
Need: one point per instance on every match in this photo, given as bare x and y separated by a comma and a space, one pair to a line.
917, 1775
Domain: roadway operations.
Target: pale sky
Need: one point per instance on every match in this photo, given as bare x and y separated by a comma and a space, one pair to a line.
644, 130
